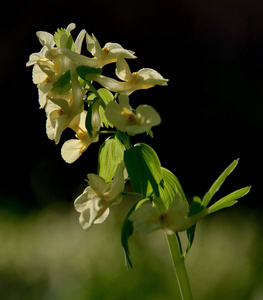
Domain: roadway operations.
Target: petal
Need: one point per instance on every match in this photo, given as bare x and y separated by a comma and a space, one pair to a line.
89, 213
79, 40
146, 219
117, 51
103, 217
38, 75
116, 187
123, 70
45, 38
97, 183
71, 26
148, 76
72, 150
113, 113
148, 115
82, 200
93, 46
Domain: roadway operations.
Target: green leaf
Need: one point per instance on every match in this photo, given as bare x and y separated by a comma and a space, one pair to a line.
69, 43
127, 231
88, 120
64, 81
171, 186
229, 200
144, 169
107, 97
195, 208
110, 155
217, 184
83, 71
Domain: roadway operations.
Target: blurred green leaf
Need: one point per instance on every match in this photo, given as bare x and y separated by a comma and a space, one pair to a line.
127, 231
195, 208
217, 184
229, 200
144, 169
110, 155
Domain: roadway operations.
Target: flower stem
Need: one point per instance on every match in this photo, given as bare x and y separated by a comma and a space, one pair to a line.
179, 267
95, 92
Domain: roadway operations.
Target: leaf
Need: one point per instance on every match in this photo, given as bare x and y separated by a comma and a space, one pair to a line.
107, 97
110, 155
69, 43
88, 121
144, 169
171, 186
229, 200
127, 231
83, 71
63, 81
217, 184
195, 208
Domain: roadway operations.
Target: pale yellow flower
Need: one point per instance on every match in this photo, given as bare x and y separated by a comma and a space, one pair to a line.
94, 203
143, 79
127, 120
63, 107
148, 218
72, 149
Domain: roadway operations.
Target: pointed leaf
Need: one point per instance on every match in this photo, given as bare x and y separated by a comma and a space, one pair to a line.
229, 200
217, 184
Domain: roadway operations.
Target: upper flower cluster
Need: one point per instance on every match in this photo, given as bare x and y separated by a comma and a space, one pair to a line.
64, 77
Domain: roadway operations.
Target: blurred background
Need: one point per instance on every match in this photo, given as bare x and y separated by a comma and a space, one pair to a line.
212, 113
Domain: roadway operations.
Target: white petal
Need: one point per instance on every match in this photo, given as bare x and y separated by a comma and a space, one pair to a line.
93, 46
146, 219
81, 201
103, 217
148, 115
71, 26
79, 41
123, 70
45, 38
148, 76
97, 183
72, 150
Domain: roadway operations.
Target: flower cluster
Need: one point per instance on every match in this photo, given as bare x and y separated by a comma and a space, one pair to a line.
64, 78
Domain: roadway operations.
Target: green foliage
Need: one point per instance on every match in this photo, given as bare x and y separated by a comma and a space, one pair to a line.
110, 155
106, 96
217, 184
229, 200
127, 231
62, 34
144, 169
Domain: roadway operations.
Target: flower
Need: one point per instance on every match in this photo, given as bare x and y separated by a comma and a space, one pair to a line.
93, 204
49, 67
148, 218
110, 53
143, 79
63, 107
125, 119
72, 149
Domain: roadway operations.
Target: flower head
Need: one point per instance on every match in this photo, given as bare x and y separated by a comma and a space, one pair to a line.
63, 107
143, 79
133, 122
93, 204
72, 149
148, 218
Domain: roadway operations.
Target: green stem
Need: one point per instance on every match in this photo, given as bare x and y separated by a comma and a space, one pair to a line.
179, 267
131, 194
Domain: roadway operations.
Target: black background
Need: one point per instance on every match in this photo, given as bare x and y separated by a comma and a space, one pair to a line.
212, 109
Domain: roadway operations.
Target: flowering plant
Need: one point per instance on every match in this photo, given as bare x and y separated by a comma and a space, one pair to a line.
64, 78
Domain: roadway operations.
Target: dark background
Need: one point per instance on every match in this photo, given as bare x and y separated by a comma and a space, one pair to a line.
212, 109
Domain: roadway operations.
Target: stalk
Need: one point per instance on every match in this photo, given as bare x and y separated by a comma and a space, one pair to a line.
179, 267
